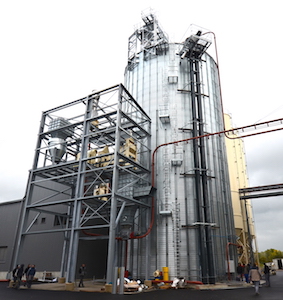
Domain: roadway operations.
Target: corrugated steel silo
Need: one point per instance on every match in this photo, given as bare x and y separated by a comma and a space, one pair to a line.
177, 85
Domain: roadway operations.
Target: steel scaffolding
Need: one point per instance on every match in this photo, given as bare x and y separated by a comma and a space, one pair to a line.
150, 39
91, 171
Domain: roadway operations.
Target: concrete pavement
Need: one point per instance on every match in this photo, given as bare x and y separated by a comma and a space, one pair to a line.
223, 291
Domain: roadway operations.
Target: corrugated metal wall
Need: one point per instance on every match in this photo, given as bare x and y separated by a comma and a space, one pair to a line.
161, 85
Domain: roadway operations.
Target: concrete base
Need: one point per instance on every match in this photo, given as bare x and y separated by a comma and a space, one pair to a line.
62, 280
69, 286
108, 288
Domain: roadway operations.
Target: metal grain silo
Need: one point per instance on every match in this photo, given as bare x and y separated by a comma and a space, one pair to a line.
177, 85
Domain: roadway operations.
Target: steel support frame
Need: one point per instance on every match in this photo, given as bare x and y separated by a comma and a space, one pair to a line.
246, 194
69, 185
151, 39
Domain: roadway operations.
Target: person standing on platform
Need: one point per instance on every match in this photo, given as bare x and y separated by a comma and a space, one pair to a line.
246, 272
18, 274
30, 274
82, 273
255, 277
266, 272
239, 272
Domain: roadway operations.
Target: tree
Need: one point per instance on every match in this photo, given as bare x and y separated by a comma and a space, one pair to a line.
269, 254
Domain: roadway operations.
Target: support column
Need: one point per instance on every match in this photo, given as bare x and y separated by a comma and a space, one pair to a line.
76, 214
113, 213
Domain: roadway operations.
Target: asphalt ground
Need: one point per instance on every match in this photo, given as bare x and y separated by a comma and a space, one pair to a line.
275, 292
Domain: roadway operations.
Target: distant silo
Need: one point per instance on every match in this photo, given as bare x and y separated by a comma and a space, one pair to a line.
177, 85
242, 209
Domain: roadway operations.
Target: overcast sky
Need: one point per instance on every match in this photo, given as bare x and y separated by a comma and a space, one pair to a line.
56, 51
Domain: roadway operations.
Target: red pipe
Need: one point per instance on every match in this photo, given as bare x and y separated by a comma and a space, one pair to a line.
194, 138
151, 222
206, 135
198, 137
89, 233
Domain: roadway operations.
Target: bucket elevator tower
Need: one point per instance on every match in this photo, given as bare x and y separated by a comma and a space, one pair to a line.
177, 85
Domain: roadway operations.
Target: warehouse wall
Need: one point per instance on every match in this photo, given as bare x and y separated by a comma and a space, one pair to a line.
9, 216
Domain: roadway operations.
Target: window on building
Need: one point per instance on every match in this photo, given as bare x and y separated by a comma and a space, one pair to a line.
43, 220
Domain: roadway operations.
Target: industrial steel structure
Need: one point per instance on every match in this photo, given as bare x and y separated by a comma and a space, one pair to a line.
139, 171
92, 172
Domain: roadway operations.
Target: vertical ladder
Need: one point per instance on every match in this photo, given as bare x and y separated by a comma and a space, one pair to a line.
177, 238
